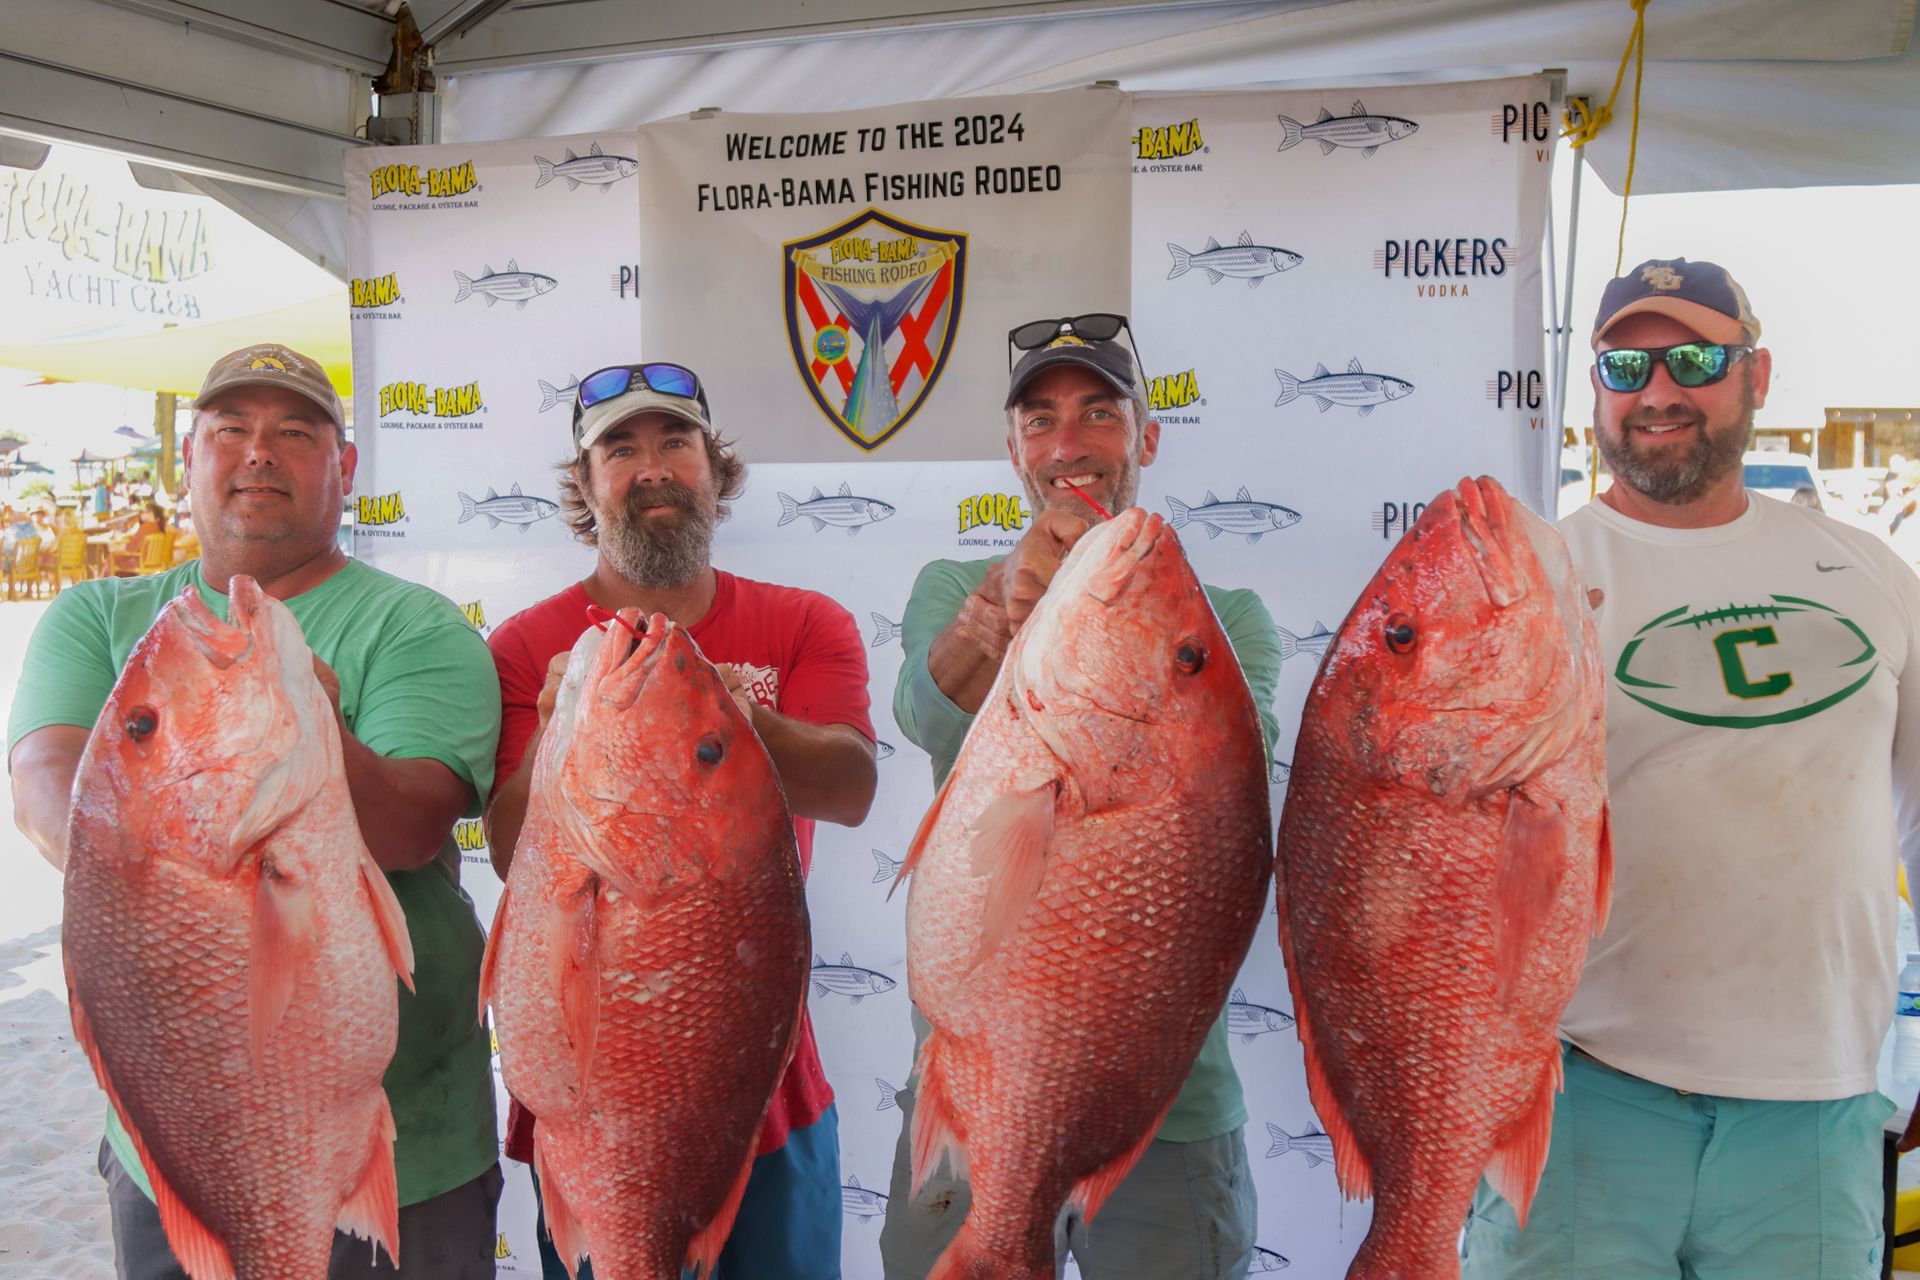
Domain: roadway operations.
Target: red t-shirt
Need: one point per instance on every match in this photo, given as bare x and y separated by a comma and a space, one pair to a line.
805, 661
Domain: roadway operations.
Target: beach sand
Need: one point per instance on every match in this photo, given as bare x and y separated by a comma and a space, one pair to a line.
51, 1112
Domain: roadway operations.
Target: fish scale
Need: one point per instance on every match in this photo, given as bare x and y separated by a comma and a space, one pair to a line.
1436, 899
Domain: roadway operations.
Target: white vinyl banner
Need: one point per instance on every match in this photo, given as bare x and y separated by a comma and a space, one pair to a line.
1307, 418
851, 276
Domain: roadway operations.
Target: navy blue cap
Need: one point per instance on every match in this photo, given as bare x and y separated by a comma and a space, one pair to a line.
1700, 295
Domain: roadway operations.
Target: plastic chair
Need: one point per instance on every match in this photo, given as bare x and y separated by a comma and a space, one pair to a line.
24, 568
156, 553
70, 558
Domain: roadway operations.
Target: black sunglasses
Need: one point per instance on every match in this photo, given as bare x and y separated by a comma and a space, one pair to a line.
1691, 364
616, 380
1095, 326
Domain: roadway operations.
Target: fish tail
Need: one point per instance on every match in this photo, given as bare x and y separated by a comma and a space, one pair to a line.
885, 629
884, 868
549, 396
467, 511
1295, 132
1289, 643
465, 284
1179, 508
1282, 1140
789, 509
1182, 261
887, 1092
546, 171
1289, 388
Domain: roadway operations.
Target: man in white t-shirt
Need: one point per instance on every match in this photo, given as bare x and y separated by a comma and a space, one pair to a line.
1720, 1118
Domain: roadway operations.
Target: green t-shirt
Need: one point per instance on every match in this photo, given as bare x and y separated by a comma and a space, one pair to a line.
1210, 1102
416, 682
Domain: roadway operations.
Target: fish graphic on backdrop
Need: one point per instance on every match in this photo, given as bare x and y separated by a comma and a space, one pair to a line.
1265, 1260
887, 1091
230, 946
512, 507
595, 169
861, 1203
1315, 1145
1443, 864
849, 979
881, 750
885, 869
1243, 515
1083, 891
1282, 773
647, 964
1314, 642
551, 395
1356, 388
512, 285
1243, 260
1360, 131
846, 510
884, 630
1248, 1020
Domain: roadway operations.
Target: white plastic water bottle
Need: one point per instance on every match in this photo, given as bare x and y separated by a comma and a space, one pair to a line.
1906, 1024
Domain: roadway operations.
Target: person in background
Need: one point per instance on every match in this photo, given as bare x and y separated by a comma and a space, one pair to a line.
153, 522
1076, 413
1721, 1116
418, 708
649, 479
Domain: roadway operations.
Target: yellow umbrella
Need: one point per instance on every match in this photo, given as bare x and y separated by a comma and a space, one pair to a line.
177, 359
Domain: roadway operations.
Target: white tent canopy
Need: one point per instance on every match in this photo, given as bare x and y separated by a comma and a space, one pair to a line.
256, 99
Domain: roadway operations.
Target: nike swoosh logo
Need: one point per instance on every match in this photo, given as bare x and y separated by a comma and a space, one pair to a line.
1829, 568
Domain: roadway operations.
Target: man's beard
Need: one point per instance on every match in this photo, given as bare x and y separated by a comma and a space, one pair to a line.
654, 551
1668, 475
1123, 480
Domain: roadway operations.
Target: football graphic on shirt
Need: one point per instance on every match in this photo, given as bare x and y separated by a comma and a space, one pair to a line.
1744, 666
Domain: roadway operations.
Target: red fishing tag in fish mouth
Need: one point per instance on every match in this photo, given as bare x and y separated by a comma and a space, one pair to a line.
1088, 499
601, 618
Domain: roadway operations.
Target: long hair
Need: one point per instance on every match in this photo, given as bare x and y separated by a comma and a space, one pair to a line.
729, 476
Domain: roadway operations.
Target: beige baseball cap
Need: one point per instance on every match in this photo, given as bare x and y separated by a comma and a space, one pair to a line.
268, 364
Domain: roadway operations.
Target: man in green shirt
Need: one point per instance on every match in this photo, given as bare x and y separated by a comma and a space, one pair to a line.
418, 705
1077, 417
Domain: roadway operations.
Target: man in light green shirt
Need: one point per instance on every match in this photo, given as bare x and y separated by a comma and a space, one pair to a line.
1077, 418
419, 711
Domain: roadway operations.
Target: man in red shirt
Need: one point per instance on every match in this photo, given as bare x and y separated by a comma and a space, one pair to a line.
648, 482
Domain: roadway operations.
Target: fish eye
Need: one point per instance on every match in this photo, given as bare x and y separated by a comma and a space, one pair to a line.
710, 750
1191, 655
141, 722
1401, 635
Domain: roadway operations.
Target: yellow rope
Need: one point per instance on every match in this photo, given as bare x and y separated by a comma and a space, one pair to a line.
1593, 119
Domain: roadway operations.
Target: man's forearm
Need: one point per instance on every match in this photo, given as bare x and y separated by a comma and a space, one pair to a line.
405, 807
43, 765
507, 810
827, 771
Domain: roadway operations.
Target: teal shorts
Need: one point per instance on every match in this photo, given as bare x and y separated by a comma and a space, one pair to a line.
1644, 1182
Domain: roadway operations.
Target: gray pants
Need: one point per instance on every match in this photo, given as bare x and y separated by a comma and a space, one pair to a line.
449, 1237
1185, 1212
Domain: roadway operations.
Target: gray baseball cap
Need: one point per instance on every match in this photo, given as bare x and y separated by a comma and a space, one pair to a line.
268, 364
1109, 358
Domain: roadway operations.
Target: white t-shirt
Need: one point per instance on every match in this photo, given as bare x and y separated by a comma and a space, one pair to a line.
1763, 760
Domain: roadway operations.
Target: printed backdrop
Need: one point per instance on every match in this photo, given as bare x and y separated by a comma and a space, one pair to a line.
1337, 300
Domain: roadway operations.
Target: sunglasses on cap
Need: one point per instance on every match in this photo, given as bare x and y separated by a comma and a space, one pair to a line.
1095, 326
616, 380
1690, 364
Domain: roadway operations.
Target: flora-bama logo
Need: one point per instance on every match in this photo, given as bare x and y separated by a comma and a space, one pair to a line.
472, 839
374, 291
374, 510
417, 399
1173, 391
995, 510
412, 182
1169, 148
475, 613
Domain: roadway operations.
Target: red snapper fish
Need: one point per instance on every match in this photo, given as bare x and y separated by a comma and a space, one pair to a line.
1084, 889
1443, 864
649, 960
230, 946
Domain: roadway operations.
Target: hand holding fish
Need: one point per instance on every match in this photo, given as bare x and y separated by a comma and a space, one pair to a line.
984, 625
736, 684
549, 692
329, 682
1028, 571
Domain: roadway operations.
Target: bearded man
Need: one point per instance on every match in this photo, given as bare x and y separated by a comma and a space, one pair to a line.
648, 482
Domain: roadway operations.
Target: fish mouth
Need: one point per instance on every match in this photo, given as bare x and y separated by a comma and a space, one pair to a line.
1487, 522
221, 643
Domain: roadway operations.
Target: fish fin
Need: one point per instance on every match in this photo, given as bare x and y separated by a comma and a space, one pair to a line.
1350, 1166
491, 495
490, 960
883, 867
1365, 409
1213, 531
285, 941
390, 918
372, 1212
934, 1134
1514, 1171
1532, 863
1210, 500
490, 299
1289, 388
1320, 369
1213, 277
846, 958
512, 265
1326, 148
920, 834
466, 508
887, 1101
852, 529
486, 269
463, 287
1294, 132
1324, 116
1182, 261
1179, 509
522, 304
570, 155
549, 395
546, 172
820, 988
572, 949
1255, 536
1244, 495
1353, 366
1324, 403
1010, 840
1253, 282
573, 184
789, 509
493, 521
1212, 244
1246, 1039
1092, 1191
1246, 238
858, 998
569, 1239
846, 489
703, 1251
594, 148
1603, 866
818, 523
1367, 151
1239, 996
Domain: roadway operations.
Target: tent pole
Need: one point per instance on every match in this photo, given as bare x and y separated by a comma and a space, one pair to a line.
1550, 450
1565, 336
